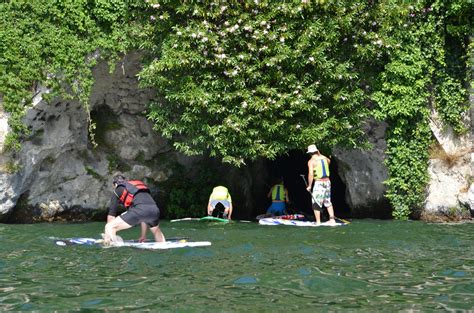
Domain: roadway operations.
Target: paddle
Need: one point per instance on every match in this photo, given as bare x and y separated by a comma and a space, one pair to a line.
306, 184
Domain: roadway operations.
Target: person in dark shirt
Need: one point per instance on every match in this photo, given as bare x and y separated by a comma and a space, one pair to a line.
141, 208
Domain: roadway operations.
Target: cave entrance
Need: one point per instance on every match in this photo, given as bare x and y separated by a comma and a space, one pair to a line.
291, 167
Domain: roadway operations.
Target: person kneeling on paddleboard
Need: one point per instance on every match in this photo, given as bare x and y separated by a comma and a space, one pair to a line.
220, 195
279, 195
140, 207
318, 169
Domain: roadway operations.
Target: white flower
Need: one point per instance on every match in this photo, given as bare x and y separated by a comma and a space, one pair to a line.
179, 33
282, 39
244, 104
311, 59
298, 126
155, 6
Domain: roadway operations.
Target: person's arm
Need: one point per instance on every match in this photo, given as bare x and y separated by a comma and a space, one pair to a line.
230, 211
112, 212
143, 227
286, 195
310, 175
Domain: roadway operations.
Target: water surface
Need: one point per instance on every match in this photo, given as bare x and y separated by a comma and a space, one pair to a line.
368, 265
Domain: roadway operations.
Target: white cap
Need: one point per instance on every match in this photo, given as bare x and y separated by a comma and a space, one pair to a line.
312, 149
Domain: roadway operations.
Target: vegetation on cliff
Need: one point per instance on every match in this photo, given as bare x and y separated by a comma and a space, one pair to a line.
257, 78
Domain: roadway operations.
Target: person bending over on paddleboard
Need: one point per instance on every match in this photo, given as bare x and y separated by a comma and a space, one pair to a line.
140, 207
318, 170
279, 195
220, 195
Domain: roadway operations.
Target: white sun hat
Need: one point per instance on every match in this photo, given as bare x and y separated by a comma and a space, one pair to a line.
312, 149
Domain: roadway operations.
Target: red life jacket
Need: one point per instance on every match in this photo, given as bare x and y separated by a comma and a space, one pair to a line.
132, 187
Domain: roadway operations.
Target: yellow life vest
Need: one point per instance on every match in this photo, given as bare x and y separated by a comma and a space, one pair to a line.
220, 193
278, 193
321, 168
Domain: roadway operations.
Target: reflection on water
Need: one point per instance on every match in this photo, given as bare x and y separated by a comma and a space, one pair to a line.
367, 265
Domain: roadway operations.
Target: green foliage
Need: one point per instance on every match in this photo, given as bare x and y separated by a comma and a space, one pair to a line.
420, 70
255, 80
55, 43
186, 196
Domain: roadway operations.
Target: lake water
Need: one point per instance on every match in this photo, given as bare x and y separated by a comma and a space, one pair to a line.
369, 265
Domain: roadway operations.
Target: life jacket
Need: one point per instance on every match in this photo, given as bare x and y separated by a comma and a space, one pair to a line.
132, 187
278, 193
321, 168
220, 193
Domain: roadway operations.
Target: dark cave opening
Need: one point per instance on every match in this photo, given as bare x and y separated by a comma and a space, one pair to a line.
291, 167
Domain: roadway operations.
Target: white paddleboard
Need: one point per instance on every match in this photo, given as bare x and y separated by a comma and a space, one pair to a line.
141, 245
165, 245
278, 221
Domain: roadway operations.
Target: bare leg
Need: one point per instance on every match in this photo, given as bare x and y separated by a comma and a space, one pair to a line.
143, 228
332, 221
317, 212
111, 229
317, 215
159, 237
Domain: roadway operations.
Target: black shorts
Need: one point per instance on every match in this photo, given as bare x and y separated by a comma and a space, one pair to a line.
149, 214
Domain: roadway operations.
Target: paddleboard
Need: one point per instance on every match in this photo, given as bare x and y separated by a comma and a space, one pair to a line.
285, 217
214, 219
171, 244
202, 219
185, 219
279, 221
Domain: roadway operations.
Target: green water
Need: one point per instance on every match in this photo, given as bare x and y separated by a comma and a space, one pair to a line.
369, 265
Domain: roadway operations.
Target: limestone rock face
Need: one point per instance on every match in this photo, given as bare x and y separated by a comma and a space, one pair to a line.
363, 173
59, 174
450, 190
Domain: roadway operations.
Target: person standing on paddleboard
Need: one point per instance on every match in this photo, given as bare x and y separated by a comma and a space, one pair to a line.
135, 196
220, 195
318, 171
